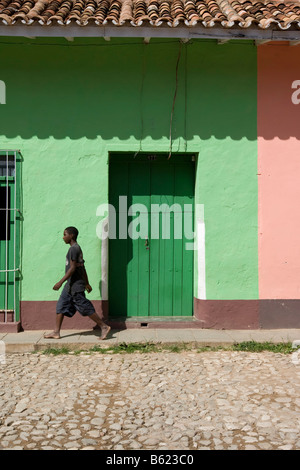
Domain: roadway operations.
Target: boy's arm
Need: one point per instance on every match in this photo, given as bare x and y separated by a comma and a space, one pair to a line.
87, 285
68, 274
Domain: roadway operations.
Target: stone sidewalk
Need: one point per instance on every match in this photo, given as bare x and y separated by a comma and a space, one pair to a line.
29, 341
212, 400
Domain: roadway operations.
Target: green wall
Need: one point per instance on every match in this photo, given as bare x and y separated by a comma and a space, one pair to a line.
70, 103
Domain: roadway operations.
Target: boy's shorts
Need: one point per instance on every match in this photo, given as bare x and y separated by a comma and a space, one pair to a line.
68, 304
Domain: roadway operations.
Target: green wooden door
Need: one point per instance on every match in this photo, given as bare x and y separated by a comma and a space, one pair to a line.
150, 269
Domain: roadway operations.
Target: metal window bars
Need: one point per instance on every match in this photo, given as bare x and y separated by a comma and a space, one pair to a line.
8, 170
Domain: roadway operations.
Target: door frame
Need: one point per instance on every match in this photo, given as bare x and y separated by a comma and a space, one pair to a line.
105, 248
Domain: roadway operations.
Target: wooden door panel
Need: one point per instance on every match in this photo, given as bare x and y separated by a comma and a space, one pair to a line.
153, 280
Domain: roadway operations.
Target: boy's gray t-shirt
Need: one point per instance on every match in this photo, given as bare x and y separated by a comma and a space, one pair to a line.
77, 280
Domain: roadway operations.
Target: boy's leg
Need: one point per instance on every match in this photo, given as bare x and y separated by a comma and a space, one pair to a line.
105, 329
86, 308
65, 305
56, 333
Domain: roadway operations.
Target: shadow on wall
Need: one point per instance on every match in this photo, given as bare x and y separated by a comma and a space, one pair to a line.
278, 80
125, 88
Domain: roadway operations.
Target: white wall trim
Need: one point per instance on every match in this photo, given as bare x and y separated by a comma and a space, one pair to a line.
104, 260
201, 259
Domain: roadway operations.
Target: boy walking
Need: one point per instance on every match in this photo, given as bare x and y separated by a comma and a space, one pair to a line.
73, 298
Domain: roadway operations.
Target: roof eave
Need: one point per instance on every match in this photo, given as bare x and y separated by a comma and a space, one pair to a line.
180, 32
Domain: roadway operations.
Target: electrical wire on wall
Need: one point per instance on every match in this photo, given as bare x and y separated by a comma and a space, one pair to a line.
141, 97
174, 99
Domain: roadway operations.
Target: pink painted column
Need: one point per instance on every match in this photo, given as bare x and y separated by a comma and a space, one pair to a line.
278, 171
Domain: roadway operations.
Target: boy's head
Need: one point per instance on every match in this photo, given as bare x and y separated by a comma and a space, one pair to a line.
70, 233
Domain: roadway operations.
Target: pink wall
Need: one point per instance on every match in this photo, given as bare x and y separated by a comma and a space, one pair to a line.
278, 172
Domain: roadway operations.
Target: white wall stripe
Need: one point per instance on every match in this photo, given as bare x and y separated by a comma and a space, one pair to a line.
201, 259
104, 260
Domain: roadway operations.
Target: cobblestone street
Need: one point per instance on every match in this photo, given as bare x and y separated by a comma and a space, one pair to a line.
171, 401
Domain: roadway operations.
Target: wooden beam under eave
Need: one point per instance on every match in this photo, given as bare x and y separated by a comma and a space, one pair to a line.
106, 38
294, 43
222, 41
147, 40
70, 39
259, 42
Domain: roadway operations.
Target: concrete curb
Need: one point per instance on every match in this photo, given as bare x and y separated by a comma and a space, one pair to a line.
31, 341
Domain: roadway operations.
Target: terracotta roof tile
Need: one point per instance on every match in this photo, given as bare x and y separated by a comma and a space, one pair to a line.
208, 13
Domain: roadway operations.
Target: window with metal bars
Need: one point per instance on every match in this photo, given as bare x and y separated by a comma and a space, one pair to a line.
7, 165
10, 220
4, 213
